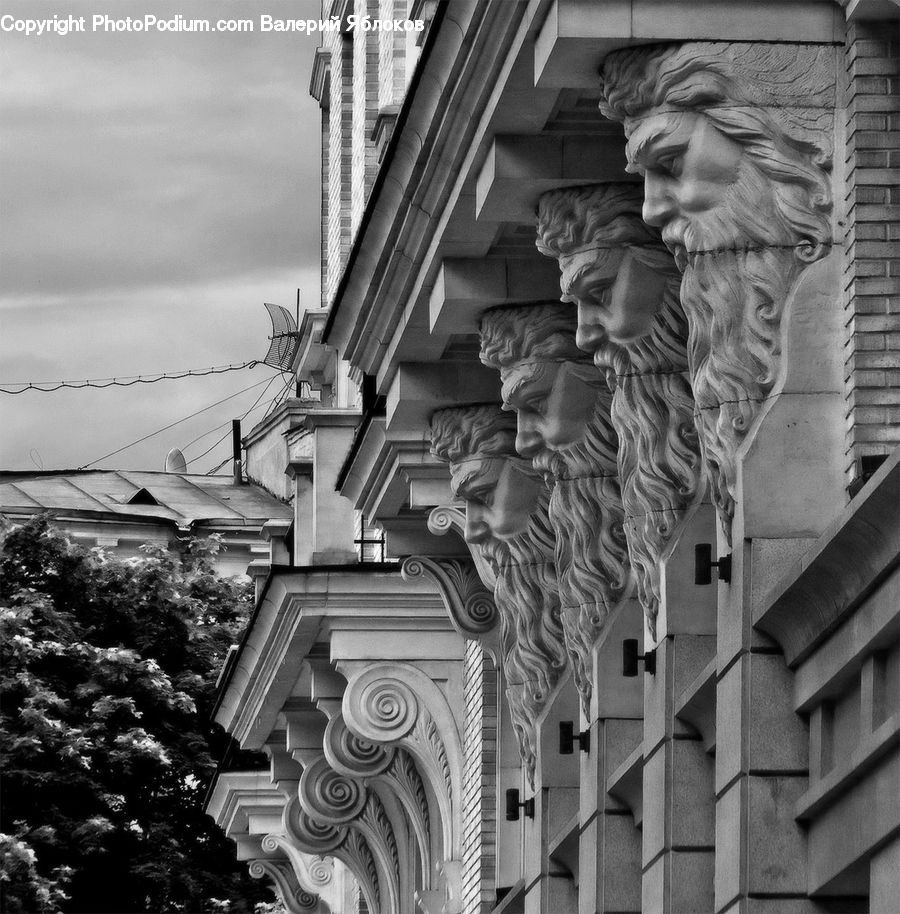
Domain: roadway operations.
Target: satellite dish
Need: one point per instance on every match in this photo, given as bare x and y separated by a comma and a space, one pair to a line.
285, 340
175, 462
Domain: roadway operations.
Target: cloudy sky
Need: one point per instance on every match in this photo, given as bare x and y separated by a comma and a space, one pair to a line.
155, 190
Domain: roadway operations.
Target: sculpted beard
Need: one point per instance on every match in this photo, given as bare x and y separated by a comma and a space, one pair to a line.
733, 293
660, 467
591, 552
531, 635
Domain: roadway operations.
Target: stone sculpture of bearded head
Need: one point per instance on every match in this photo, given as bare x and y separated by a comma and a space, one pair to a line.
733, 142
616, 270
507, 520
562, 405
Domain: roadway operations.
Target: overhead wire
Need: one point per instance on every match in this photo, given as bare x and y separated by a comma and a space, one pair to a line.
246, 413
270, 408
176, 422
122, 380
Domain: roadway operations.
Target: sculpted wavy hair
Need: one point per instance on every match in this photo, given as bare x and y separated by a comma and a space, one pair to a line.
461, 432
531, 636
574, 219
540, 332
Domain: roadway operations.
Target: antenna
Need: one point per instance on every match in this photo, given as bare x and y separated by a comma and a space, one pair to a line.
175, 462
285, 340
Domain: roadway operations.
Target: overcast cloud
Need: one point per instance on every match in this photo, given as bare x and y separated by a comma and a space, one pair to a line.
155, 190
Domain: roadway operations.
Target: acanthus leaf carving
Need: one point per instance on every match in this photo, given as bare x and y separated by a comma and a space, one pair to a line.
469, 605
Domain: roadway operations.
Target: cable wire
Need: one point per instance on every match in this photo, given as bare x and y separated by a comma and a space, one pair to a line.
122, 380
262, 394
176, 422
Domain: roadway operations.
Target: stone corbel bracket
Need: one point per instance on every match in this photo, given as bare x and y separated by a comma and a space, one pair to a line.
293, 895
446, 518
398, 704
386, 768
339, 841
469, 604
314, 874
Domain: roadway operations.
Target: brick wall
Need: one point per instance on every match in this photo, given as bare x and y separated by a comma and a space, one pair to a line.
479, 782
339, 156
392, 55
365, 110
872, 267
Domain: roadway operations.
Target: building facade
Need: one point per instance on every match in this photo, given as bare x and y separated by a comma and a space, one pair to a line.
590, 602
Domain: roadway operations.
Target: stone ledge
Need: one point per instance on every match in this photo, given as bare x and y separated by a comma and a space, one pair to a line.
856, 551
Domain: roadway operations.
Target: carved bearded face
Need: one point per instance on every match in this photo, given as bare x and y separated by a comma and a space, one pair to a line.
500, 498
692, 172
553, 401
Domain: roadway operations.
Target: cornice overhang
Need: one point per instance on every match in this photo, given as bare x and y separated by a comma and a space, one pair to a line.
845, 565
297, 610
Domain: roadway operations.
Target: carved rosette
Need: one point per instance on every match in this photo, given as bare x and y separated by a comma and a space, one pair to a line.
469, 605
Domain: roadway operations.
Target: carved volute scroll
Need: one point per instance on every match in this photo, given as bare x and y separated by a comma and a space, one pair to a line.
450, 518
352, 756
507, 518
563, 408
296, 899
624, 282
314, 873
339, 841
397, 703
469, 605
755, 121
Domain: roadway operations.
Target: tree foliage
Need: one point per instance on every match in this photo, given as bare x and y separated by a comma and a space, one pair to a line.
107, 674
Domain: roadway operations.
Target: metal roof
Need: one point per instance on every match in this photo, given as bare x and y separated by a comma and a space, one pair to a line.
182, 497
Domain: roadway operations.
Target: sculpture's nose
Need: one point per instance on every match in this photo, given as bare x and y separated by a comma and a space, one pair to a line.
658, 206
528, 442
590, 334
476, 529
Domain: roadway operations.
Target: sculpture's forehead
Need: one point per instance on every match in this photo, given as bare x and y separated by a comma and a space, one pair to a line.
603, 260
525, 376
658, 131
473, 471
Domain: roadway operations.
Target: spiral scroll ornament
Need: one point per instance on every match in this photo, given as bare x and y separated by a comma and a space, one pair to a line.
470, 606
321, 872
383, 708
352, 756
295, 898
308, 833
328, 795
